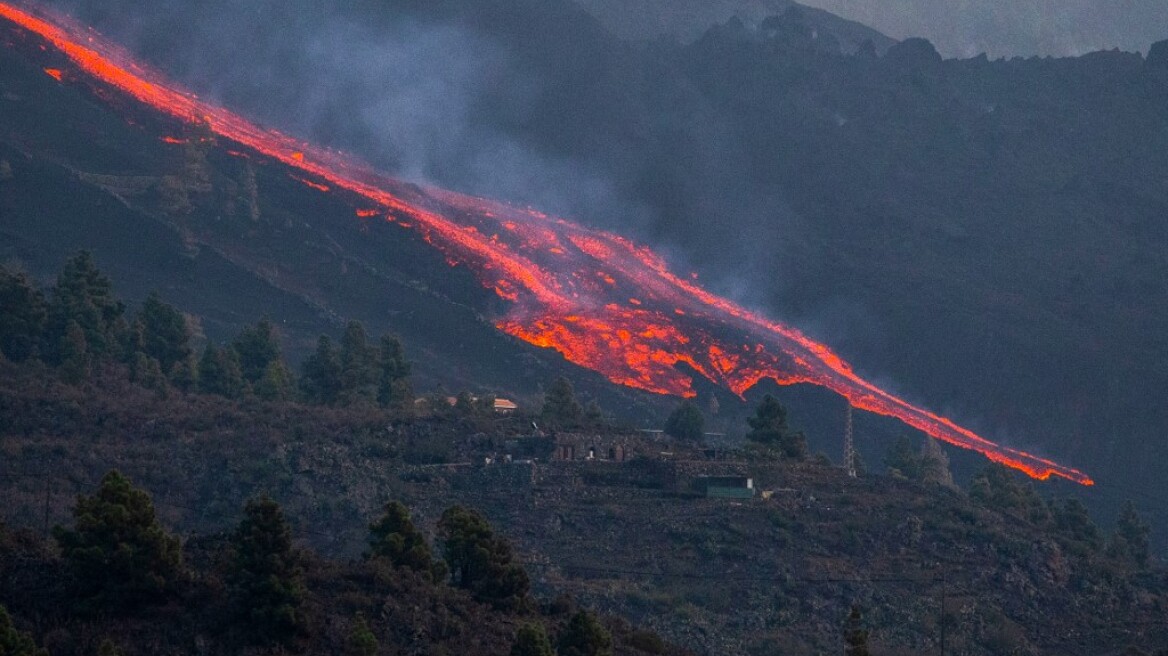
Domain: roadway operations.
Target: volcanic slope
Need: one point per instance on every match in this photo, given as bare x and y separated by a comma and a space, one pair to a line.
230, 238
985, 234
547, 268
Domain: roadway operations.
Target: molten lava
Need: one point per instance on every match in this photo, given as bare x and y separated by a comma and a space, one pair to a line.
601, 301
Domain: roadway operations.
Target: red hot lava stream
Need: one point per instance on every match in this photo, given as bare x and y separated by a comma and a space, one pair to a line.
602, 301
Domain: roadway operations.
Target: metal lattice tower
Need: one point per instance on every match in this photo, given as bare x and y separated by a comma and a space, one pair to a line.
849, 445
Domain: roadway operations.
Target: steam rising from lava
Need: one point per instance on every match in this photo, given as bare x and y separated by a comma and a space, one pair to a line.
603, 302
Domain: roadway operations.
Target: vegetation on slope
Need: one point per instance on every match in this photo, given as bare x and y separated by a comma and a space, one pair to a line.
1001, 568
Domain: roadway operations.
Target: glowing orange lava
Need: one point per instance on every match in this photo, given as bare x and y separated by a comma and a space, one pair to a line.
54, 73
600, 300
314, 185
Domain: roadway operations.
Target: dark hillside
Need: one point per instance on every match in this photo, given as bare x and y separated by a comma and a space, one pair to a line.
636, 538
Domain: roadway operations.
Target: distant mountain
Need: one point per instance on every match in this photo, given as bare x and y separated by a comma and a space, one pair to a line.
965, 28
688, 19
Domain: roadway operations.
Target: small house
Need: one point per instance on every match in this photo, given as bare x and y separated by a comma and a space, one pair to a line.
727, 487
505, 406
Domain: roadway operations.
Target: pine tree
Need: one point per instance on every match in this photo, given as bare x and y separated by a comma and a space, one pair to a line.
593, 414
359, 375
532, 640
560, 407
768, 427
361, 641
320, 380
395, 539
23, 316
480, 561
257, 347
584, 636
85, 296
902, 460
686, 422
855, 635
266, 576
13, 642
1003, 489
934, 464
119, 553
1130, 540
393, 387
219, 373
1074, 522
277, 383
184, 375
163, 333
73, 354
146, 371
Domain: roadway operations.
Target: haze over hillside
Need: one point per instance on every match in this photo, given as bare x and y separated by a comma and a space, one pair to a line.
1006, 28
689, 19
958, 28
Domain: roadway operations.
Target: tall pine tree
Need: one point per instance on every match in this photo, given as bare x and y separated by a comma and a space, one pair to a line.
394, 539
320, 378
257, 347
23, 315
686, 422
855, 635
219, 373
768, 427
120, 554
84, 295
266, 577
393, 385
532, 640
560, 407
1130, 540
481, 561
584, 636
162, 333
359, 375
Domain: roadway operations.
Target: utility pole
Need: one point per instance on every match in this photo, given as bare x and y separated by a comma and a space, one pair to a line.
48, 483
943, 612
849, 445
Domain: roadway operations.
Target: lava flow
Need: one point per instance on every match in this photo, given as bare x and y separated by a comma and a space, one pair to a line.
603, 302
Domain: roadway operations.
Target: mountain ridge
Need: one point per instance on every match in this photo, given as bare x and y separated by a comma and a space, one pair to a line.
649, 19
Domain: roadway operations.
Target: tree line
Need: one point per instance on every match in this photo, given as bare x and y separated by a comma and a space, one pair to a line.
121, 562
79, 328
